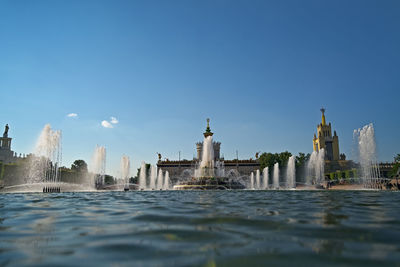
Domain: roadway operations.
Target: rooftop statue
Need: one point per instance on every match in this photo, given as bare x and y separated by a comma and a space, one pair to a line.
5, 134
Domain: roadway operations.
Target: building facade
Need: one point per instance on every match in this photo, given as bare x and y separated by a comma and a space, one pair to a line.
325, 140
6, 154
184, 168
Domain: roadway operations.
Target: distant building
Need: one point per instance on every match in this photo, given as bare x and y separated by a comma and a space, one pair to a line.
6, 154
325, 140
180, 168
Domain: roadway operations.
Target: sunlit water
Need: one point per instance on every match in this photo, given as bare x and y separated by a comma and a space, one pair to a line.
207, 228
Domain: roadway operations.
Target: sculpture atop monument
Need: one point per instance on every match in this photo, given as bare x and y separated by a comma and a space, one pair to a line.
5, 134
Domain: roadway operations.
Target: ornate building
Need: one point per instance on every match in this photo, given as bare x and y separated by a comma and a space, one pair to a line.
325, 140
179, 168
6, 154
216, 145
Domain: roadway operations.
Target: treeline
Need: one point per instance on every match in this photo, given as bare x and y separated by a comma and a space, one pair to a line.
78, 171
269, 159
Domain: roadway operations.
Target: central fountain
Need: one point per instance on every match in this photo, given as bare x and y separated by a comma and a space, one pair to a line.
209, 175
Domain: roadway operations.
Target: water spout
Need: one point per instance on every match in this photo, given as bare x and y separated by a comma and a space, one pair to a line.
142, 176
160, 179
258, 180
265, 178
46, 160
276, 176
291, 173
125, 170
153, 177
166, 181
365, 139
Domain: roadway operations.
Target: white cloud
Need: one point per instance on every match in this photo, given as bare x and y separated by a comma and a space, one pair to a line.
114, 120
106, 124
72, 115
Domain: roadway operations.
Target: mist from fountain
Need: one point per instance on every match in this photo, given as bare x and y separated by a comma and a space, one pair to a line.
98, 166
142, 176
44, 164
160, 179
365, 139
276, 176
265, 178
316, 167
291, 173
220, 167
166, 181
153, 177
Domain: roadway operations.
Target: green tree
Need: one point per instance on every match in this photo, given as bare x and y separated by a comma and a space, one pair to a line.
108, 179
269, 159
79, 165
302, 159
147, 170
283, 158
397, 158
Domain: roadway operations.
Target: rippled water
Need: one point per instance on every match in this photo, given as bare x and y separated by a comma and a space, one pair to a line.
206, 228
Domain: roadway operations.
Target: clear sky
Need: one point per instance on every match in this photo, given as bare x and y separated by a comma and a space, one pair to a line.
261, 70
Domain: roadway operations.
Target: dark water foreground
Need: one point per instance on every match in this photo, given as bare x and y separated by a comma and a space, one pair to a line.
207, 228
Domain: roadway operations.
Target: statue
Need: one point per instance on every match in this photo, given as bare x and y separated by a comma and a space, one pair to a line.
5, 134
257, 155
159, 156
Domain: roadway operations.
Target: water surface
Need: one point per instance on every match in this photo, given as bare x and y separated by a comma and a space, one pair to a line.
202, 228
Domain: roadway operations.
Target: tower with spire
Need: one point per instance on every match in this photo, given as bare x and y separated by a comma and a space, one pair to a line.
216, 145
324, 139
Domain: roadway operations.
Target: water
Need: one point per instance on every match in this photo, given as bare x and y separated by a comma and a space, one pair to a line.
142, 176
365, 139
316, 167
206, 167
98, 165
291, 173
125, 169
265, 178
46, 157
160, 179
201, 228
276, 176
153, 177
251, 181
166, 184
258, 186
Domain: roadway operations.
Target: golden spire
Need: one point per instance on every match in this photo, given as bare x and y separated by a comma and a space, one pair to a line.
323, 116
208, 130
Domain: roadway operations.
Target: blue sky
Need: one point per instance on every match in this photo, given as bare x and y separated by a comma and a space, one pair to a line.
260, 70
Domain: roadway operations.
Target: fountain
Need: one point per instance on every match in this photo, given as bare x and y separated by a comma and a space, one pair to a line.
153, 177
42, 167
47, 157
365, 139
251, 181
142, 177
160, 179
276, 176
125, 170
258, 180
208, 174
265, 178
166, 181
98, 166
291, 173
316, 167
